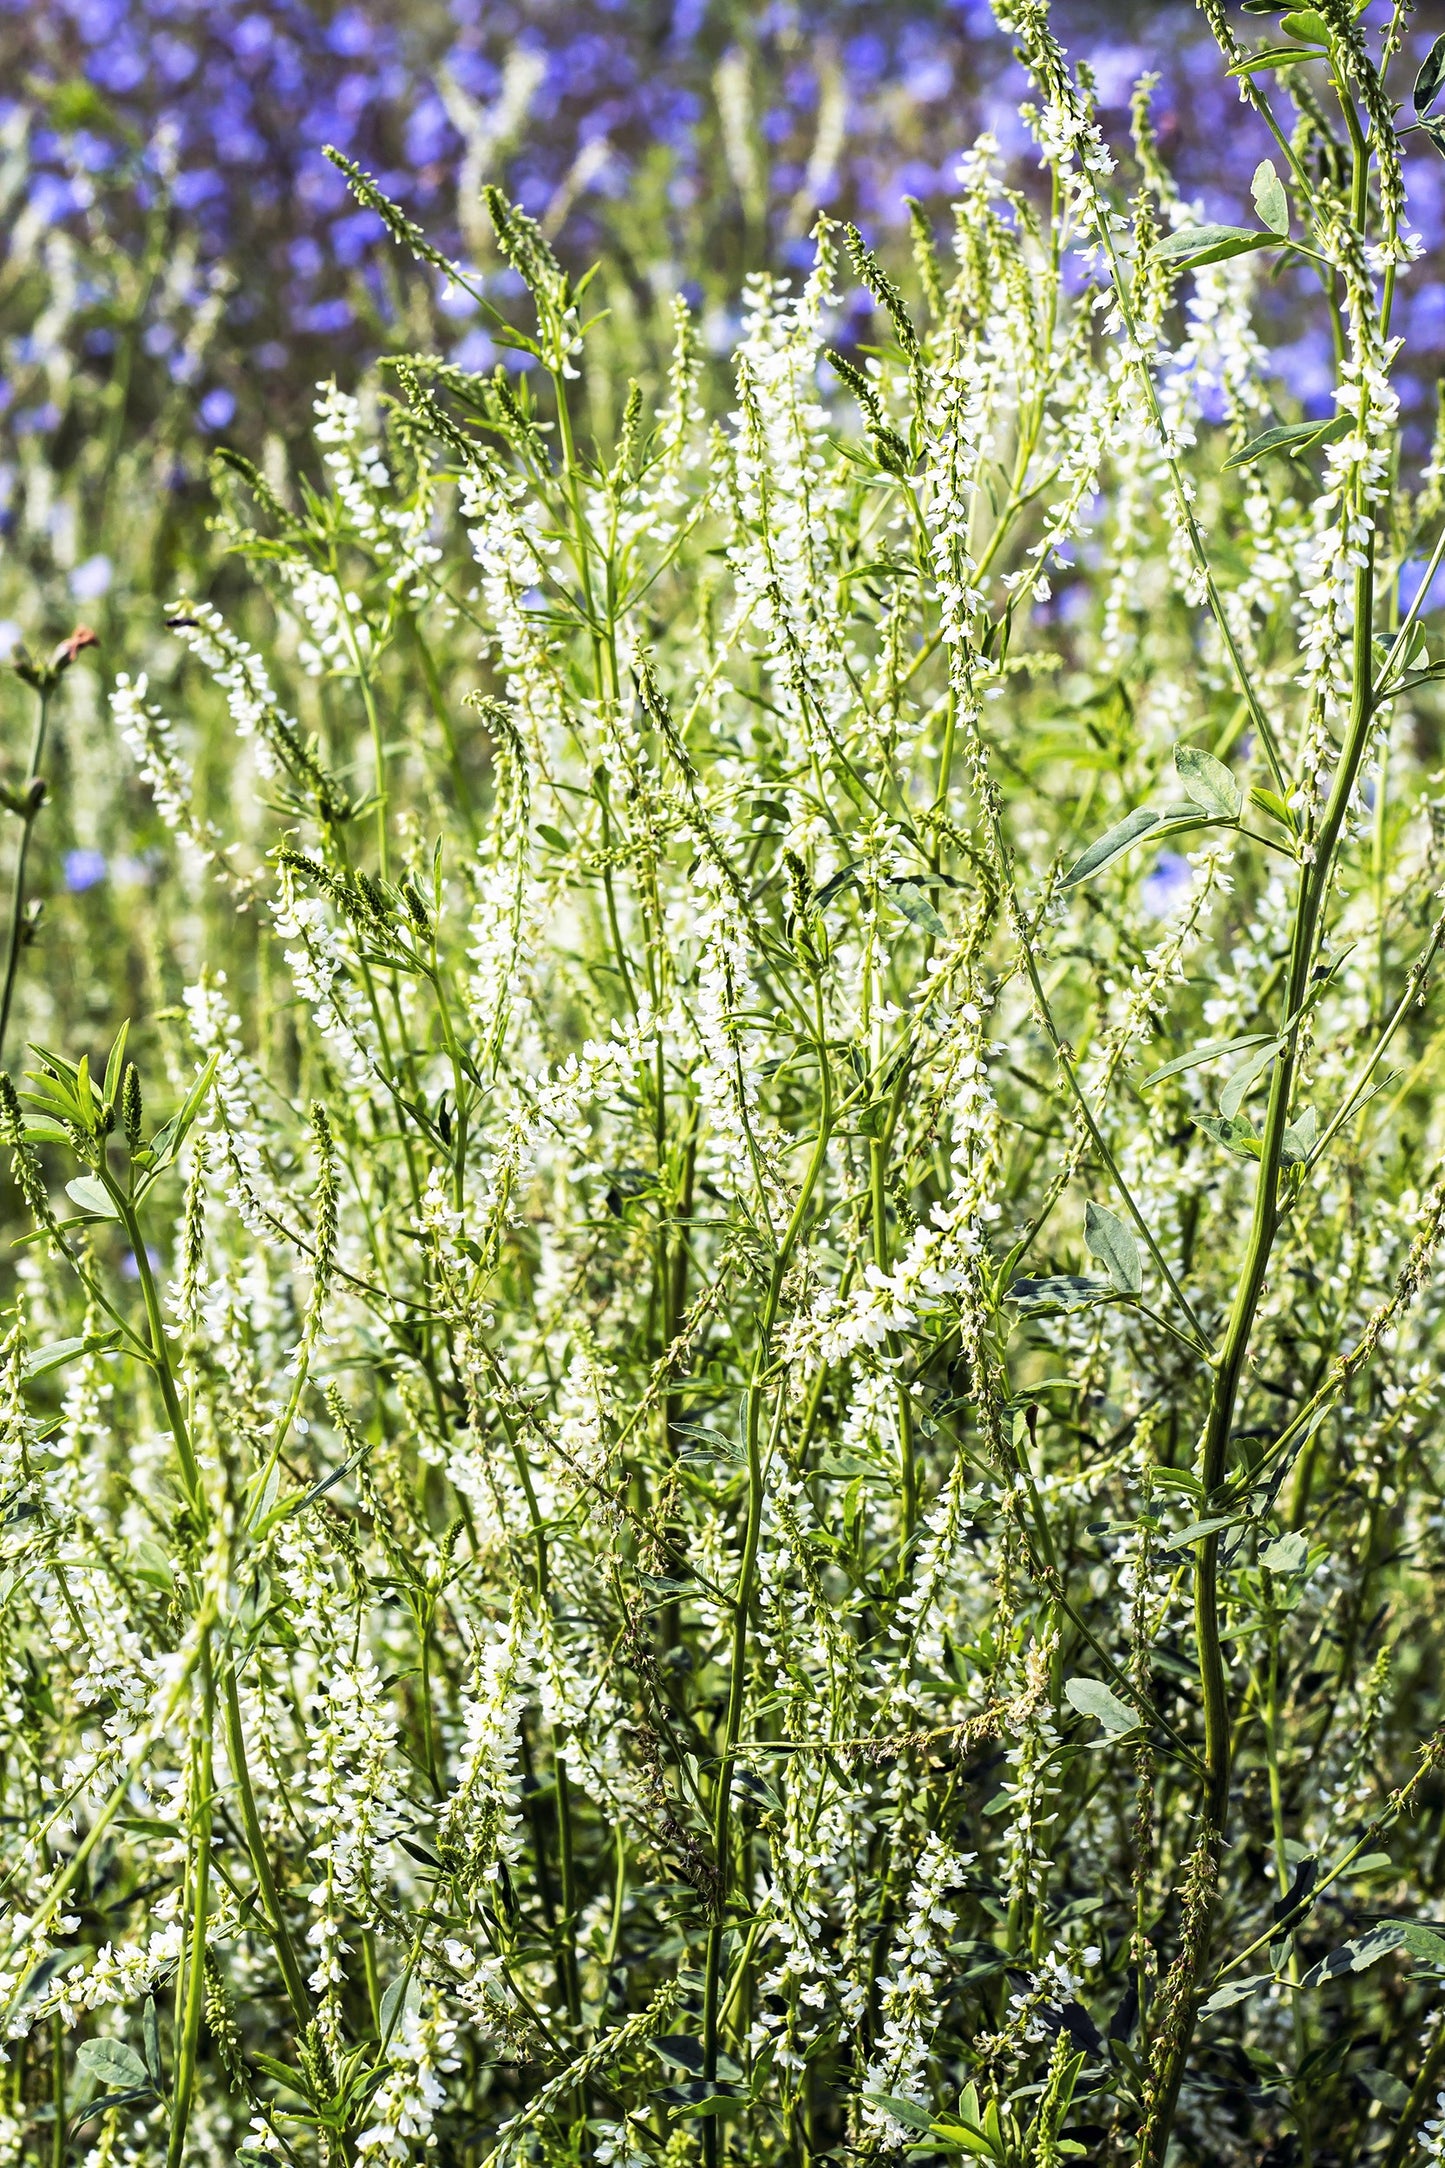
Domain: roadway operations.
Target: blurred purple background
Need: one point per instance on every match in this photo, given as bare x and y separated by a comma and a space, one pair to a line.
686, 139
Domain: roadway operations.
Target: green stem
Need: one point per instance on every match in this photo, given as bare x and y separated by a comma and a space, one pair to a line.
281, 1941
34, 800
742, 1600
58, 2134
1234, 1352
193, 1962
160, 1345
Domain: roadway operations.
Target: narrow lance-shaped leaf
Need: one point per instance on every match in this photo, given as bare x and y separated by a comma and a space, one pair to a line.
1208, 1050
1111, 845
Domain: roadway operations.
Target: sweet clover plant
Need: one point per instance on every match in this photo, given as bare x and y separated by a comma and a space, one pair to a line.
719, 1435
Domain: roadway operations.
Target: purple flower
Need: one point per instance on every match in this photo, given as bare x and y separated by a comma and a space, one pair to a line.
88, 582
217, 408
83, 869
1412, 572
1166, 886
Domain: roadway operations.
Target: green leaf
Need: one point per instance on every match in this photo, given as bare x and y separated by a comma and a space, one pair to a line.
1235, 1991
1091, 1697
915, 904
1305, 24
171, 1135
1357, 1956
1286, 1554
698, 2097
1270, 802
1434, 128
40, 1131
1224, 1998
1299, 1139
1291, 437
1195, 245
1198, 1530
150, 2033
902, 2111
92, 1197
1210, 1050
1111, 1240
1426, 1943
1238, 1136
1430, 78
112, 1067
680, 2051
403, 1997
110, 2063
1064, 1291
951, 2137
1236, 1089
1277, 56
1270, 200
1111, 845
1207, 781
57, 1353
1382, 2087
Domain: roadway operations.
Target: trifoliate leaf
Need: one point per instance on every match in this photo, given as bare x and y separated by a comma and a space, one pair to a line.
1091, 1697
1198, 1530
402, 1998
1207, 781
1270, 200
1111, 1240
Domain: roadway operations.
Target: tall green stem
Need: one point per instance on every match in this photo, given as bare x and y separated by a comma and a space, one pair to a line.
191, 2003
280, 1935
743, 1595
1233, 1356
33, 800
